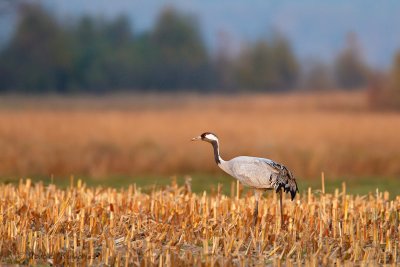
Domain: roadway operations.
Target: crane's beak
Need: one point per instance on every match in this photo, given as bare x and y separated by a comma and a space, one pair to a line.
196, 138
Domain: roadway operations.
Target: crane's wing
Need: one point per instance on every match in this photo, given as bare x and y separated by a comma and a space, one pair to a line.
283, 179
264, 174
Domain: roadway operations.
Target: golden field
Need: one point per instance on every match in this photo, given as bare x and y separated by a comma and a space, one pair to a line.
175, 227
149, 134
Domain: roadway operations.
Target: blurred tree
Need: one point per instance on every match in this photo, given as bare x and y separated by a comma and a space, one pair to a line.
119, 32
318, 77
350, 70
120, 56
395, 75
182, 57
285, 63
145, 60
88, 50
388, 95
255, 67
37, 58
263, 66
377, 90
103, 54
223, 64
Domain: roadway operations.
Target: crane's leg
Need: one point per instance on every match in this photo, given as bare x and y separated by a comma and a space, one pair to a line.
257, 194
280, 204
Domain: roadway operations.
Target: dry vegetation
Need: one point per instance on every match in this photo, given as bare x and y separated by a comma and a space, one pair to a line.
133, 135
173, 226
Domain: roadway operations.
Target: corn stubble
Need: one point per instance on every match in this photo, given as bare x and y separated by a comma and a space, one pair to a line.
173, 226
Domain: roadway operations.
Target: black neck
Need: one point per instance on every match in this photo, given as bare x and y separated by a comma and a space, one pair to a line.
216, 151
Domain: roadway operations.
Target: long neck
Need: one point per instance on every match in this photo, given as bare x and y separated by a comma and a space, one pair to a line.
217, 157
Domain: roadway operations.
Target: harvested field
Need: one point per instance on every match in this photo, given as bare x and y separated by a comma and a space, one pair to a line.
173, 226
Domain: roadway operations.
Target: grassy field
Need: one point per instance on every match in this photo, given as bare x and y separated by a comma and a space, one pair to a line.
211, 182
174, 226
148, 135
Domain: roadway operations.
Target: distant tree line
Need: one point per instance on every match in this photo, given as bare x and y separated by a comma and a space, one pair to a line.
384, 88
96, 55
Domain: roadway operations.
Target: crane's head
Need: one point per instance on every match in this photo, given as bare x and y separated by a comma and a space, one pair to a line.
208, 137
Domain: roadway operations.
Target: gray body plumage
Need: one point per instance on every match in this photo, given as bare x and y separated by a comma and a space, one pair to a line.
260, 173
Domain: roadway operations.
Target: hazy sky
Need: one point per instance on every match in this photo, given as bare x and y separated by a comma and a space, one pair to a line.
317, 28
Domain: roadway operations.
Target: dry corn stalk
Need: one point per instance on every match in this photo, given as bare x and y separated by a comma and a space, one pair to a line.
173, 226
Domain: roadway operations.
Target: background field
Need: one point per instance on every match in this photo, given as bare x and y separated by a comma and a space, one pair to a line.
145, 139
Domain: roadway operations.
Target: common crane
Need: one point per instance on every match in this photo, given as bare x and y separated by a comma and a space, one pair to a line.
258, 173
